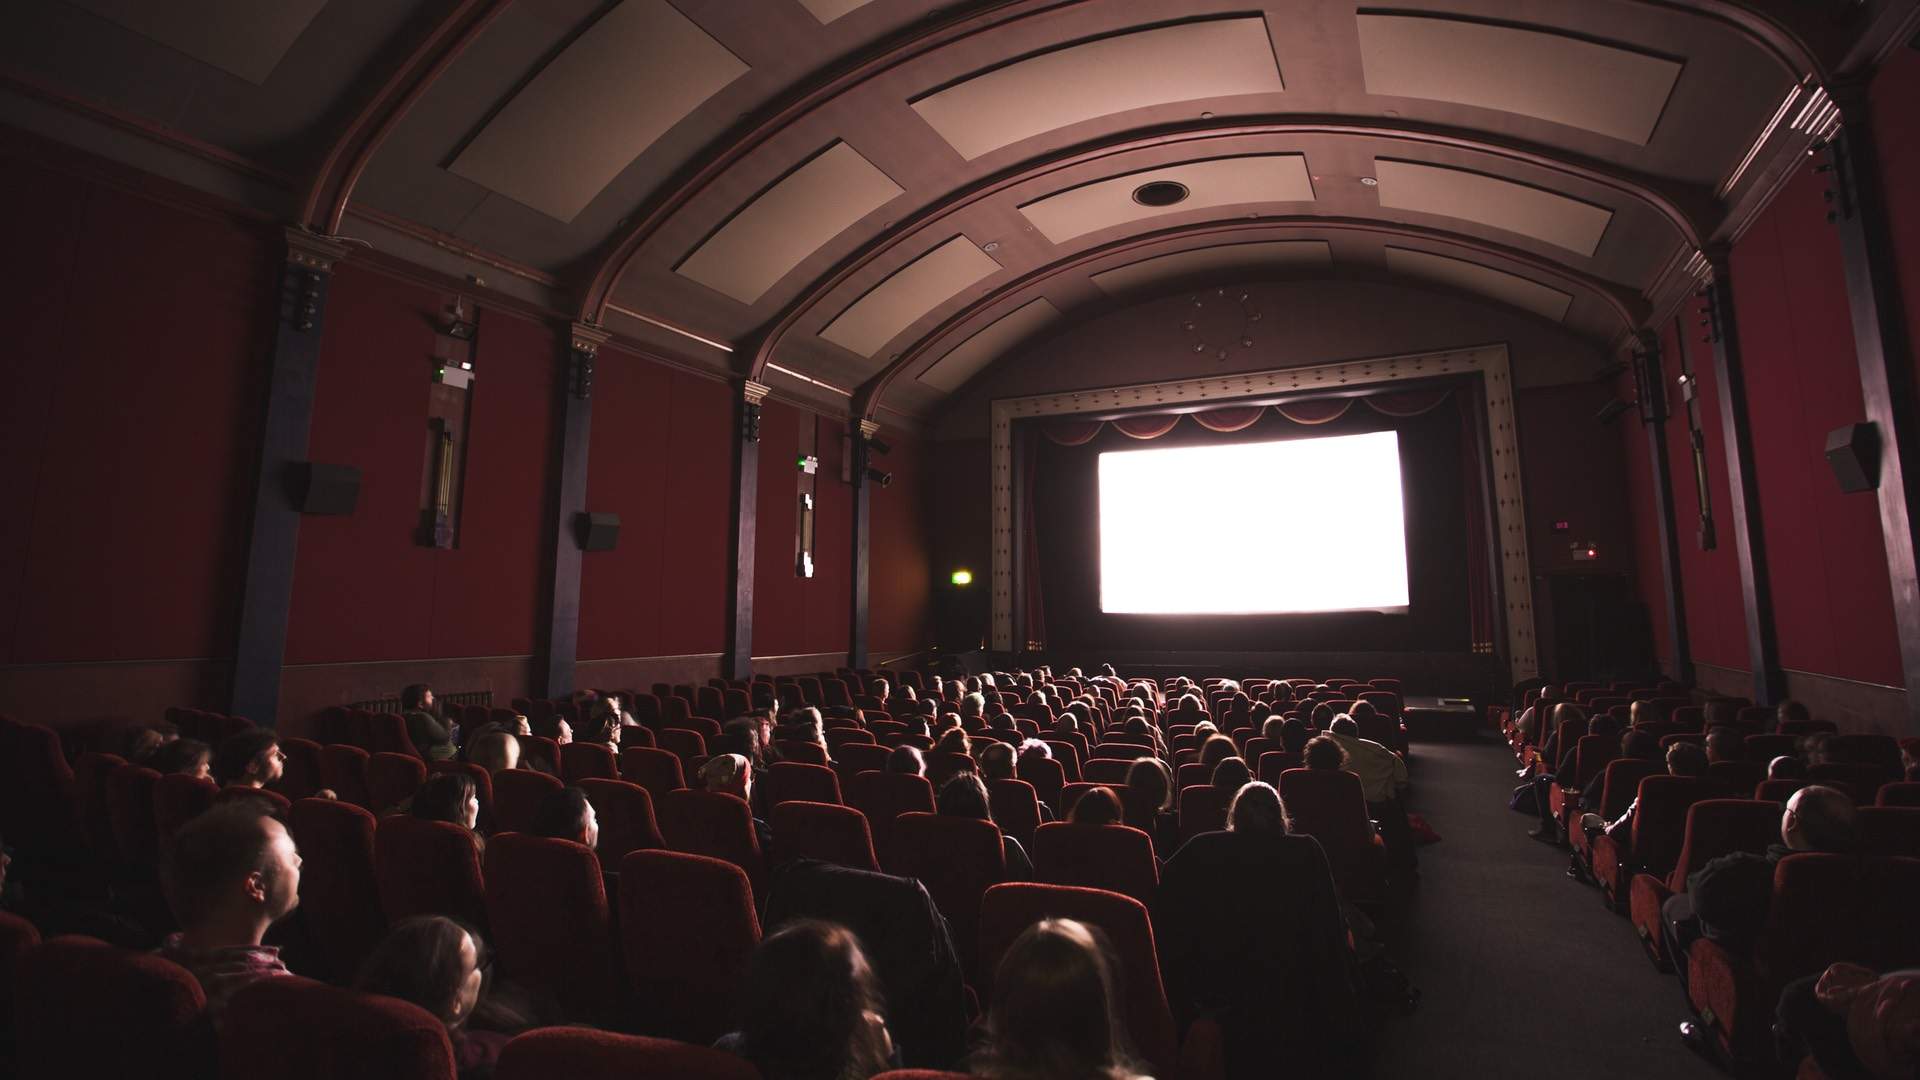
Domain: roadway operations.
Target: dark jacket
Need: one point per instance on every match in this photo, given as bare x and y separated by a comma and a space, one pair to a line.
1250, 933
1733, 893
906, 940
432, 738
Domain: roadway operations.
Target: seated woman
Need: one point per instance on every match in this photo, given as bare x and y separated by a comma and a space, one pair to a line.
1056, 1010
811, 1008
965, 796
190, 757
1230, 775
441, 965
1149, 803
453, 798
1097, 807
1251, 933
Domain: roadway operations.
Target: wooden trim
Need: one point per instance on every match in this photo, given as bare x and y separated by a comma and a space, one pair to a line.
1653, 416
1350, 377
859, 596
574, 411
746, 523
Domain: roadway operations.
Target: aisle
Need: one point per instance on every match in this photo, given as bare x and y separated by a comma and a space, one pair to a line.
1524, 973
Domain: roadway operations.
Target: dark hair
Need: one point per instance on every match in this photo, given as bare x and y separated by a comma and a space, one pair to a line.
1344, 725
1687, 759
1149, 781
414, 697
1216, 749
211, 853
238, 751
562, 814
1726, 741
1294, 734
1256, 808
906, 759
1322, 715
419, 961
444, 797
1230, 774
803, 1010
179, 756
997, 761
1640, 743
964, 796
1056, 1009
1099, 806
954, 741
1362, 710
1325, 752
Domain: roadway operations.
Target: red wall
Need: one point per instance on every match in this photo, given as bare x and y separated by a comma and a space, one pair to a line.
1710, 580
901, 569
1641, 514
793, 615
128, 422
660, 457
364, 588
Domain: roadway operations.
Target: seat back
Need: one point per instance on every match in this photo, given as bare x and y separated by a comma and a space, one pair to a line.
1863, 749
517, 795
1899, 793
68, 987
17, 935
1766, 747
344, 769
1861, 780
1832, 908
339, 890
1592, 755
178, 799
1330, 806
883, 797
1888, 830
657, 770
1045, 775
957, 859
1620, 782
586, 1054
548, 907
1016, 809
688, 929
1006, 911
825, 831
1660, 824
587, 761
297, 1029
1778, 791
1716, 827
1738, 777
386, 733
1117, 858
300, 773
428, 868
392, 779
683, 744
90, 772
625, 813
130, 813
713, 824
851, 758
37, 791
797, 781
1202, 808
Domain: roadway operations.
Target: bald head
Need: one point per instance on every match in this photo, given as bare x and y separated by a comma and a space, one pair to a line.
1818, 819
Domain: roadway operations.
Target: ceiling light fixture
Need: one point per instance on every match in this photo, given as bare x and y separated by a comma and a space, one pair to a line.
1369, 181
1160, 193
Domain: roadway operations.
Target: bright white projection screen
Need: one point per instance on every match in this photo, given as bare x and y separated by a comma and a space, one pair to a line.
1301, 525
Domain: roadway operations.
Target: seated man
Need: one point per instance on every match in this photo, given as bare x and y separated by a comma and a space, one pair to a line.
568, 814
496, 752
1683, 759
1727, 899
1726, 744
1383, 774
228, 875
731, 774
250, 758
431, 735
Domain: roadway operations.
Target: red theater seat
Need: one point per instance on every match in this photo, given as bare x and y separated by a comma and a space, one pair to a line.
83, 1008
1778, 790
1618, 785
1903, 793
17, 935
1888, 830
1656, 836
1714, 827
957, 859
587, 761
585, 1054
1046, 775
685, 745
1330, 807
300, 775
1112, 857
178, 799
339, 889
688, 929
659, 771
37, 791
883, 797
90, 772
130, 813
297, 1029
716, 825
386, 733
344, 769
1015, 808
626, 818
517, 795
826, 831
428, 868
796, 781
1203, 808
392, 779
1858, 779
548, 908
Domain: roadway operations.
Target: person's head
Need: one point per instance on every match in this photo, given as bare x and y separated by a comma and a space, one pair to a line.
189, 757
1790, 712
600, 724
811, 1008
1816, 749
1818, 819
1640, 744
1344, 725
1217, 749
1099, 806
908, 760
1321, 716
448, 796
567, 814
250, 757
1362, 710
1880, 1015
231, 870
728, 774
1686, 759
973, 706
1256, 808
1603, 724
139, 744
1786, 767
1273, 729
954, 741
417, 698
964, 796
996, 761
437, 963
1230, 774
1056, 1010
496, 752
554, 726
1294, 734
1034, 748
744, 736
879, 688
1325, 752
1909, 756
1151, 784
1726, 744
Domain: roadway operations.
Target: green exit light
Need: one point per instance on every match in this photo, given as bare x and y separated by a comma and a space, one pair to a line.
963, 577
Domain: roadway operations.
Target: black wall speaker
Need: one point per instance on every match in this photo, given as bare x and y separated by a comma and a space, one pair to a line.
1854, 454
597, 532
318, 488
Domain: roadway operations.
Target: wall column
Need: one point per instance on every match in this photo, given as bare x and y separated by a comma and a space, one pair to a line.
746, 523
1743, 486
1653, 416
561, 645
1884, 348
862, 488
266, 597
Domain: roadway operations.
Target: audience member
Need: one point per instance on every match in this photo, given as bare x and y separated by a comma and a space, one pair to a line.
600, 723
189, 757
1683, 759
1148, 800
250, 758
567, 814
1056, 1011
440, 965
228, 875
1294, 735
496, 752
1216, 749
996, 762
138, 744
1910, 759
1790, 715
954, 741
965, 796
1854, 1024
431, 735
811, 1008
1786, 767
906, 759
1325, 752
1230, 775
1726, 744
731, 774
1816, 749
1099, 806
453, 798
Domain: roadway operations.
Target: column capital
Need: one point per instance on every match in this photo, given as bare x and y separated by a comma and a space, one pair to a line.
754, 393
311, 251
869, 428
587, 338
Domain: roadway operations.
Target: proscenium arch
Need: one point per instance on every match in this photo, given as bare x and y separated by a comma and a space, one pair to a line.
1630, 310
1779, 43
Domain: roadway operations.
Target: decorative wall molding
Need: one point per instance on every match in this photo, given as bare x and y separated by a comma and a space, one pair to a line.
1853, 705
1490, 362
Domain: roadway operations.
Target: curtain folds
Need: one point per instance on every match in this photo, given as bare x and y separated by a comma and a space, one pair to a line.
1069, 431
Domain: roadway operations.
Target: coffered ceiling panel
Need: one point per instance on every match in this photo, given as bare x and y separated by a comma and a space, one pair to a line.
1264, 178
1247, 260
245, 37
828, 10
1185, 62
789, 221
618, 87
972, 355
1607, 89
1511, 289
1470, 196
912, 291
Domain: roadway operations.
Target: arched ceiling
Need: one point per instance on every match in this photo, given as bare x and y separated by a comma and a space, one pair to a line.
876, 197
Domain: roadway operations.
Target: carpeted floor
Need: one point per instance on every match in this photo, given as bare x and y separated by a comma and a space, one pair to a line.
1523, 971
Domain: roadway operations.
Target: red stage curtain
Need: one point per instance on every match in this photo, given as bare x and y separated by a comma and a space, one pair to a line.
1146, 427
1070, 432
1233, 418
1411, 403
1317, 411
